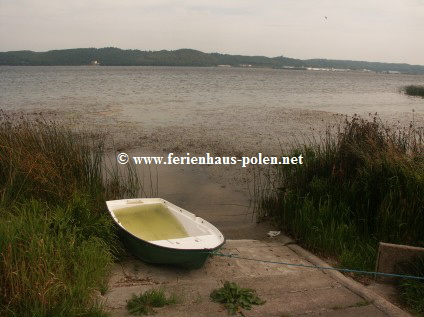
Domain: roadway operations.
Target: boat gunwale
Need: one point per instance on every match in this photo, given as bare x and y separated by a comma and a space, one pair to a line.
160, 246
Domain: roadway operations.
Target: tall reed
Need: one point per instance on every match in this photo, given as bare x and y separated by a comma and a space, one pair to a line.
49, 161
56, 240
362, 183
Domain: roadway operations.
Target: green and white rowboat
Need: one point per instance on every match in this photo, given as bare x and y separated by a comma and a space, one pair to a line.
157, 231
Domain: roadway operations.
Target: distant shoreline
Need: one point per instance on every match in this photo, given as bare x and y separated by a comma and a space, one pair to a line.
235, 66
111, 56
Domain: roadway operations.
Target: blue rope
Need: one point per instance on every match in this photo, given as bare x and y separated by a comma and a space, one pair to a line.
318, 267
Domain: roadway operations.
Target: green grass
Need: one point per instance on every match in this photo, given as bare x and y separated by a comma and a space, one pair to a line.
236, 298
57, 242
45, 160
145, 303
412, 291
363, 183
414, 90
360, 184
50, 264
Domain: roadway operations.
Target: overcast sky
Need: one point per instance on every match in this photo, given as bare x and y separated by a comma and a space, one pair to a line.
372, 30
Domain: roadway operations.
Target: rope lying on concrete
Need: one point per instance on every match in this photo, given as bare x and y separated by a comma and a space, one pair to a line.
317, 267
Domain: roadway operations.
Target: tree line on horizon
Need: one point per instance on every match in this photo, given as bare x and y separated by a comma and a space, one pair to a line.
111, 56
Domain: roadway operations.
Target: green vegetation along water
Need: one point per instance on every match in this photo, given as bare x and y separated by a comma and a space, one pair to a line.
414, 90
57, 241
361, 184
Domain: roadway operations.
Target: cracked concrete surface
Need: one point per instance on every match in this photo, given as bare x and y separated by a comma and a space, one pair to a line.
288, 290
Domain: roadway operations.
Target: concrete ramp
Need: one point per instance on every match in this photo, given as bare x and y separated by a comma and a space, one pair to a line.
288, 290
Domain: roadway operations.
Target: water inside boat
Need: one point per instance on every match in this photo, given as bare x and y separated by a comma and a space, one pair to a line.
151, 222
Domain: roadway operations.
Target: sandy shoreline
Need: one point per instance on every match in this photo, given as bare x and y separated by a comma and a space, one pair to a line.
232, 133
235, 132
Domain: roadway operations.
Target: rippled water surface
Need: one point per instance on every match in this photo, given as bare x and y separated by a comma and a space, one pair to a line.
158, 96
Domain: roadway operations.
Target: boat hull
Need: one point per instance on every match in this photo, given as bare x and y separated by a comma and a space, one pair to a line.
150, 253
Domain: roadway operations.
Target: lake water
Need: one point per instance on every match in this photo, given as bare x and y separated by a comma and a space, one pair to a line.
185, 96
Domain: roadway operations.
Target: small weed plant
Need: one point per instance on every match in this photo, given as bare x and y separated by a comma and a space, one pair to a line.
145, 303
235, 298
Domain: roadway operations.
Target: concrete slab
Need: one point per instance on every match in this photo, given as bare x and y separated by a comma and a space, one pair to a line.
288, 291
389, 255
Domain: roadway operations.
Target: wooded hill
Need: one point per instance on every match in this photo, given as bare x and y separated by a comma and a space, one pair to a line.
111, 56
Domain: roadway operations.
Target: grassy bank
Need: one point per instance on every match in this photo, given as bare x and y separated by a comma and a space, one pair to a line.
361, 184
414, 90
56, 240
